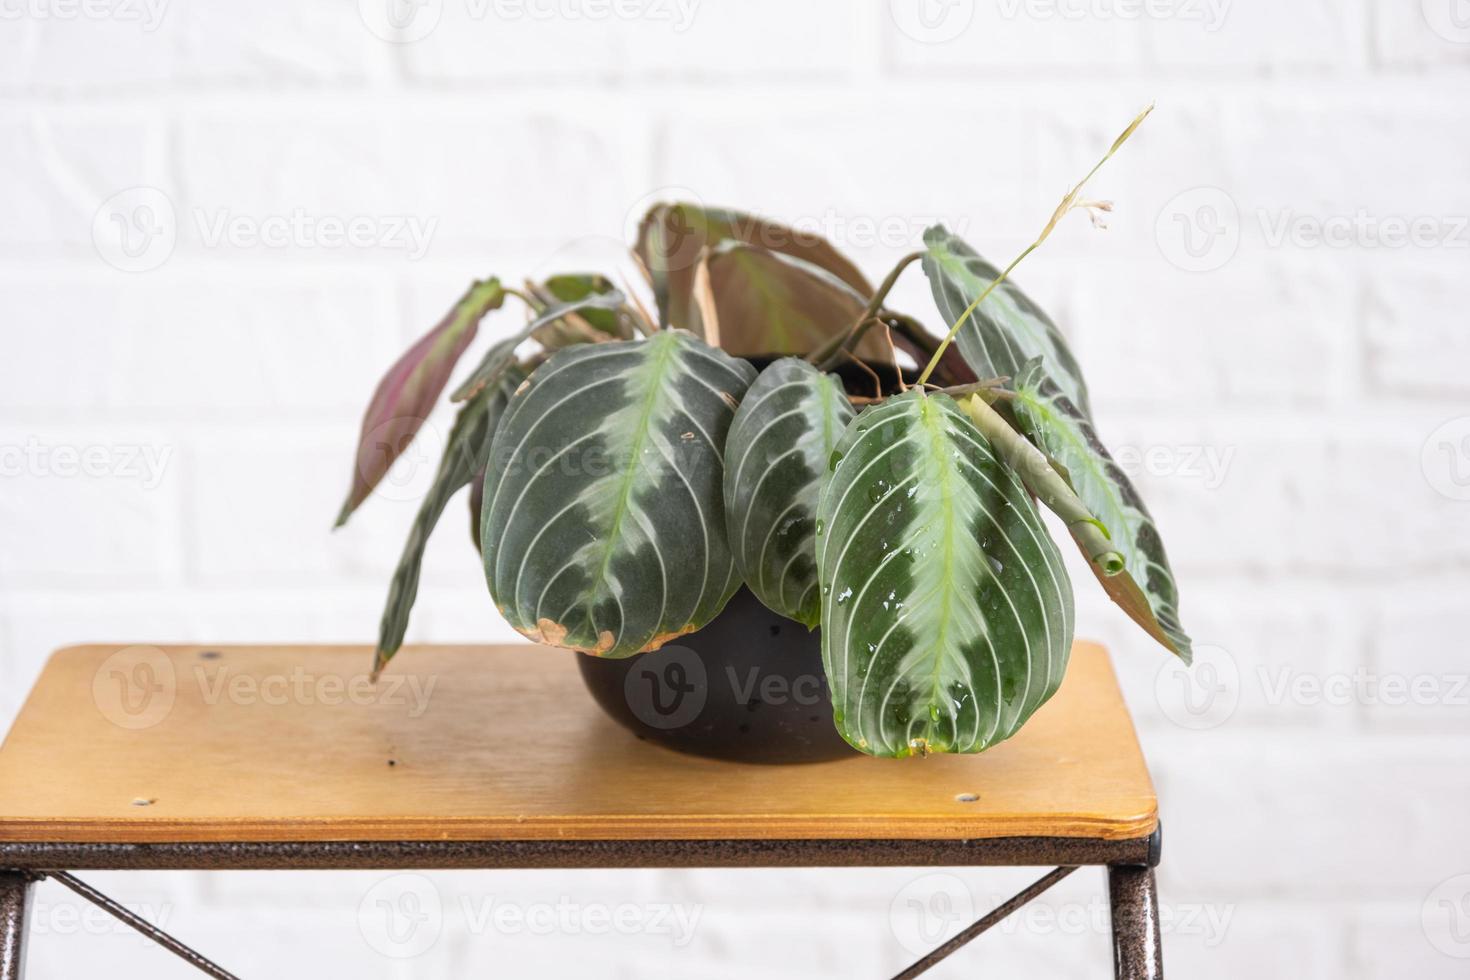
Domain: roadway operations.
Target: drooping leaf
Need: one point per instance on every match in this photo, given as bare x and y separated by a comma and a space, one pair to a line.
409, 390
769, 303
776, 457
588, 323
503, 354
466, 453
477, 506
946, 611
673, 237
604, 523
1007, 329
1145, 588
1041, 477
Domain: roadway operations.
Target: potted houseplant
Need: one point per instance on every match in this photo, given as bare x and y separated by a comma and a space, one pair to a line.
633, 470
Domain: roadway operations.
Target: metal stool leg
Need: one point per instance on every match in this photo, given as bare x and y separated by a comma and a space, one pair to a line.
1134, 899
15, 893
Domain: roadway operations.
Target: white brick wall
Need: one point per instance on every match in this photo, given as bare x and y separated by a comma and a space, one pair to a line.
1292, 392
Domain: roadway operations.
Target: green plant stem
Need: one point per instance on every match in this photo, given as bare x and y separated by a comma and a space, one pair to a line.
990, 385
526, 298
1043, 480
1068, 203
829, 350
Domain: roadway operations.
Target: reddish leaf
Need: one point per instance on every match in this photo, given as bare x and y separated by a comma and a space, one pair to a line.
766, 302
672, 239
409, 390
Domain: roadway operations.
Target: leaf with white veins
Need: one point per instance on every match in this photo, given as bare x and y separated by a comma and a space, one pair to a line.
946, 611
777, 452
1007, 329
604, 522
1145, 588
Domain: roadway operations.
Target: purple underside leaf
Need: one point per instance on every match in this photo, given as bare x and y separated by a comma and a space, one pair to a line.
407, 393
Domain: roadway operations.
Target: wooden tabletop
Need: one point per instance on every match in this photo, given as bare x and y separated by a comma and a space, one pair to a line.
291, 743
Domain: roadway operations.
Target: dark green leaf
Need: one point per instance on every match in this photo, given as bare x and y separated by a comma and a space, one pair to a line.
466, 454
1145, 588
604, 524
1007, 329
777, 452
946, 611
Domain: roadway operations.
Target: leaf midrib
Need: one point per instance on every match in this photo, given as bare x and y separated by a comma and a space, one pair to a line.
655, 369
936, 441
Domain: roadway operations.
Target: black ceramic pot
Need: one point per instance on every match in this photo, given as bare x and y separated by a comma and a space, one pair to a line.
749, 687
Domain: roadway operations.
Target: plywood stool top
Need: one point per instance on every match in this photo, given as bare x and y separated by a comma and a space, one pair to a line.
290, 743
